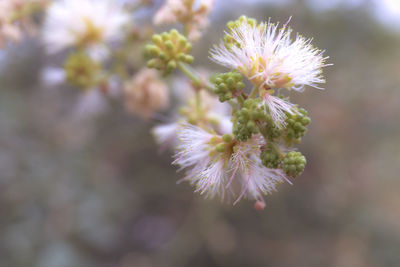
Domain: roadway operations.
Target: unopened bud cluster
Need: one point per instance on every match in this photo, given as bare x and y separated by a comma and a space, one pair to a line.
167, 50
247, 119
296, 126
228, 85
271, 157
294, 163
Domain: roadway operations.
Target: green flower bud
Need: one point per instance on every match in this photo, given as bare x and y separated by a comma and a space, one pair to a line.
248, 118
167, 50
227, 85
220, 147
152, 50
227, 138
270, 157
296, 126
171, 65
294, 163
157, 39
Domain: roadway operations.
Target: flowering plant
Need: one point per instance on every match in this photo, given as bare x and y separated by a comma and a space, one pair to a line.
234, 132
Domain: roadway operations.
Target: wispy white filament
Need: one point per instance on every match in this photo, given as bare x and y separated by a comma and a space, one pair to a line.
268, 53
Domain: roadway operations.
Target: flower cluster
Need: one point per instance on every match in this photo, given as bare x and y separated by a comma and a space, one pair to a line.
217, 164
255, 153
102, 41
232, 141
86, 24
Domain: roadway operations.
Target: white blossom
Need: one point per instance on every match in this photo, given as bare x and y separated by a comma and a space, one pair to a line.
278, 108
269, 58
205, 169
217, 173
255, 179
87, 23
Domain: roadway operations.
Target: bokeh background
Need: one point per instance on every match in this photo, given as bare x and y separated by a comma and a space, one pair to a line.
84, 185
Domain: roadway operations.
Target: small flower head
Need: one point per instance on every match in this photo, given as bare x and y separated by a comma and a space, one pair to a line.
268, 57
83, 23
206, 164
218, 164
146, 93
167, 50
255, 179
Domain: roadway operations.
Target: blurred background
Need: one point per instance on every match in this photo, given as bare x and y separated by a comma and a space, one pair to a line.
83, 189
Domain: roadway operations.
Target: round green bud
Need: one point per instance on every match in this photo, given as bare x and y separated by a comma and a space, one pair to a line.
171, 65
167, 50
157, 39
227, 138
228, 85
169, 45
188, 47
188, 59
165, 36
175, 34
248, 119
294, 163
152, 50
220, 147
296, 126
270, 158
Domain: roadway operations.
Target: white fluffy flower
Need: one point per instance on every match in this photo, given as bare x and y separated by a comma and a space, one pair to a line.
269, 58
255, 179
217, 173
166, 134
85, 23
207, 170
278, 108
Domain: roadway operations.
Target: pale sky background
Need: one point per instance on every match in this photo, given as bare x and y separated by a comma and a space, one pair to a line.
385, 11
